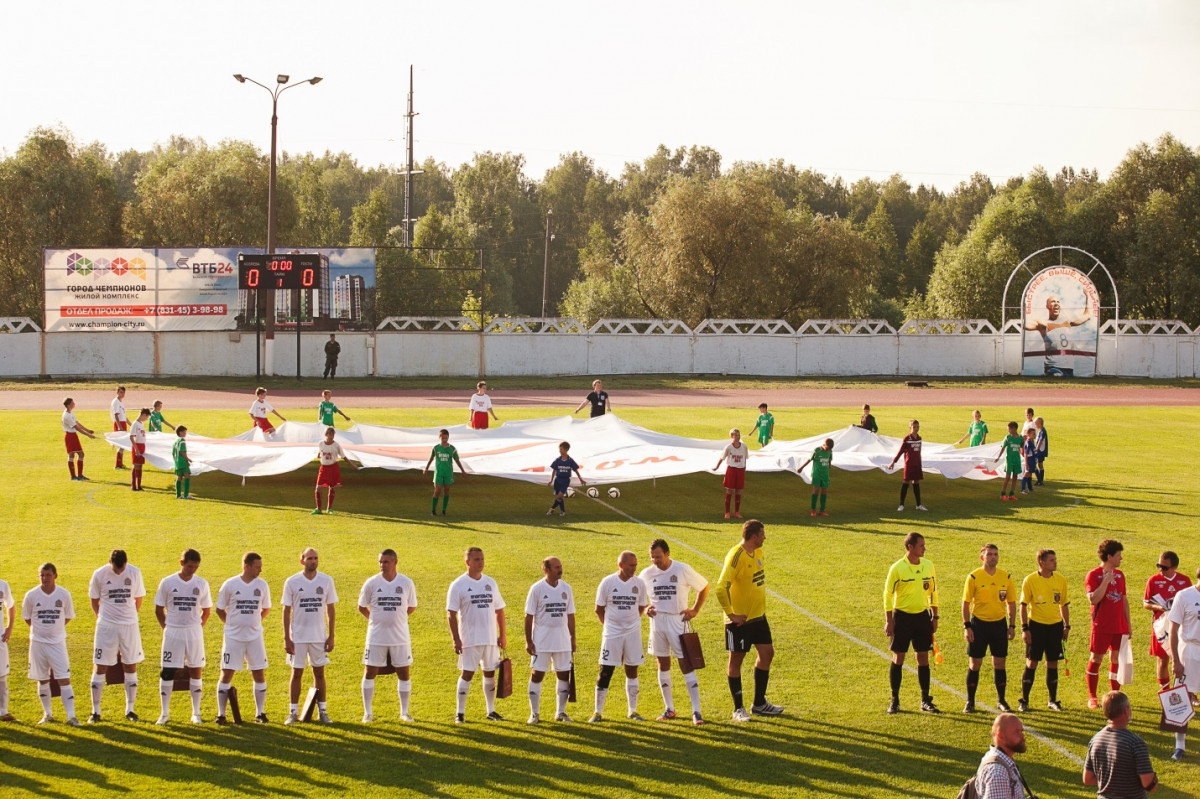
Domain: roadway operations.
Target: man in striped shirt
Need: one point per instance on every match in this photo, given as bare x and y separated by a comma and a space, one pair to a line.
1118, 763
910, 606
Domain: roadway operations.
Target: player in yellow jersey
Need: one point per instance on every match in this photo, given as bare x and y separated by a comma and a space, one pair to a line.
1045, 624
910, 608
742, 592
988, 595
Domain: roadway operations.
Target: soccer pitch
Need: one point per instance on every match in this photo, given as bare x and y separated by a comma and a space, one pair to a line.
1124, 473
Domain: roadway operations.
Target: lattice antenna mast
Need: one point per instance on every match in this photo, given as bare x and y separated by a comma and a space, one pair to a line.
409, 171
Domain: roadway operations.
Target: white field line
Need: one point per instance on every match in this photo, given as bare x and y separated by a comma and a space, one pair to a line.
1074, 758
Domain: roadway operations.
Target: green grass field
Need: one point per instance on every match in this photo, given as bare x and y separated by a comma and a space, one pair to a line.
1114, 472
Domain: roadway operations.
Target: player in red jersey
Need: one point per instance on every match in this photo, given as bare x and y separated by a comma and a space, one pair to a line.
910, 448
1106, 591
1160, 594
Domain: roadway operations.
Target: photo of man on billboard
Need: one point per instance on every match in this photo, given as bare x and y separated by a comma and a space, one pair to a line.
1060, 326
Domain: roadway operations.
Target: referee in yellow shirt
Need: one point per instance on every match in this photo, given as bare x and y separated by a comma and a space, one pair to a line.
742, 592
988, 596
910, 605
1045, 624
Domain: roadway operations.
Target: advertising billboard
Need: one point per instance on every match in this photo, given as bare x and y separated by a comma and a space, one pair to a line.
1059, 312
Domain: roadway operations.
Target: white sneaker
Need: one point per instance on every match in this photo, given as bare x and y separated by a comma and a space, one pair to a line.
324, 718
534, 718
563, 717
72, 722
291, 719
406, 718
922, 507
740, 715
163, 720
47, 719
900, 508
368, 718
197, 720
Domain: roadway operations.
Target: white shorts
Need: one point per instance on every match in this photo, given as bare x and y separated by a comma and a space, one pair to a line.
376, 655
1191, 670
542, 662
113, 639
665, 630
621, 649
473, 656
183, 648
308, 655
238, 655
4, 664
45, 658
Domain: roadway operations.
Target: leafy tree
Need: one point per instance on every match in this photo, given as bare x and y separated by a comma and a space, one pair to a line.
52, 193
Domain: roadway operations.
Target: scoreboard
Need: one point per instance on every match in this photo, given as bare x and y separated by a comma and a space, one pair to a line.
276, 271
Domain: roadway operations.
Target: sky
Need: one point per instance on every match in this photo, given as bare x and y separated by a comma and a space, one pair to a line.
934, 90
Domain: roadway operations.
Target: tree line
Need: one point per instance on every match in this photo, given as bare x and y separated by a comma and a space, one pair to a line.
676, 235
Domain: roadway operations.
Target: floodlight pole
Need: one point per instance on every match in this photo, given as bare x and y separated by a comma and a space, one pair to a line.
546, 263
281, 85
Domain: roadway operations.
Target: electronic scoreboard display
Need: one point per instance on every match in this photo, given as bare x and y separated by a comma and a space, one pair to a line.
277, 271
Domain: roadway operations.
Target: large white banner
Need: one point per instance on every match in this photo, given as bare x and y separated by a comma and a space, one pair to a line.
608, 449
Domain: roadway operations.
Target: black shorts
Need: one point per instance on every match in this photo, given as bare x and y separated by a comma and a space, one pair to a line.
991, 635
1045, 639
915, 629
741, 637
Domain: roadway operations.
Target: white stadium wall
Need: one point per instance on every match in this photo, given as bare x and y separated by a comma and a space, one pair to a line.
931, 348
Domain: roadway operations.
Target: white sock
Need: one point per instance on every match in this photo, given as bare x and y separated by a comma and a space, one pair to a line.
44, 696
222, 697
294, 708
131, 684
601, 695
489, 694
4, 695
97, 692
368, 694
404, 691
664, 685
260, 697
564, 691
68, 700
693, 689
165, 689
197, 689
632, 688
463, 687
321, 707
1180, 740
535, 697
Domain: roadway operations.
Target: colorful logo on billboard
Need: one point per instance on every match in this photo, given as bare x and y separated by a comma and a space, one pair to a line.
103, 267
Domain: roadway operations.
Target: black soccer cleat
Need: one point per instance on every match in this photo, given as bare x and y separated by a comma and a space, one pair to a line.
894, 707
927, 706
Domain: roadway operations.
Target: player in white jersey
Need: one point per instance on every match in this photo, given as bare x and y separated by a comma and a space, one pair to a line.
309, 600
8, 612
242, 603
330, 473
137, 445
120, 422
620, 602
1184, 646
669, 582
387, 600
550, 637
475, 612
479, 407
72, 428
116, 591
47, 610
259, 410
182, 605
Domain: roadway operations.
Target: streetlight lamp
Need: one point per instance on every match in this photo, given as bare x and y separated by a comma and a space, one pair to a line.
281, 85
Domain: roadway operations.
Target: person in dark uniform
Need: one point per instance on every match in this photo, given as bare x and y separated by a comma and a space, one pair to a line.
598, 398
332, 351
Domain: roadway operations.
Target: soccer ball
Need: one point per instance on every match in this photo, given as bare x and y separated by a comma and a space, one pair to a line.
570, 492
593, 492
614, 492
